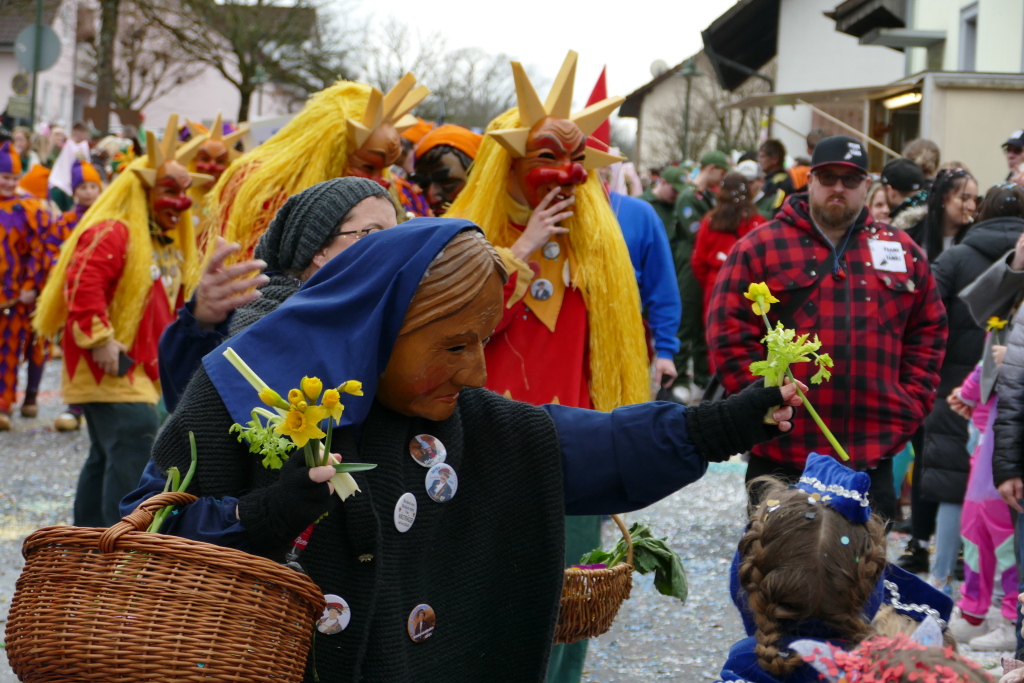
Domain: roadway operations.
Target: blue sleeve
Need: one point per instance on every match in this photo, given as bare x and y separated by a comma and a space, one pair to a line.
656, 273
626, 459
182, 347
211, 520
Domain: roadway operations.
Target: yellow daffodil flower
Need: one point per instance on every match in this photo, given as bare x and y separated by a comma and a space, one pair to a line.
759, 293
273, 399
311, 387
294, 396
352, 387
301, 426
995, 323
331, 402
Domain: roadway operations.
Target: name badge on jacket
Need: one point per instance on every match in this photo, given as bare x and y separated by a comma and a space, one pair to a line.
888, 256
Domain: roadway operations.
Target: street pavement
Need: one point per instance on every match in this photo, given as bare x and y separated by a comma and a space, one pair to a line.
654, 638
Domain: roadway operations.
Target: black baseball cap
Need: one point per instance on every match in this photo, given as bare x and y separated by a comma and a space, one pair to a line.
1016, 139
840, 149
903, 175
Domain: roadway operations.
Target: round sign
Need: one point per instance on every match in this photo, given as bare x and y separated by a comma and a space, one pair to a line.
20, 84
442, 483
25, 47
427, 450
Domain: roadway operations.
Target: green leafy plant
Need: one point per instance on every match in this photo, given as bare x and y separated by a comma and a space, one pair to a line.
650, 554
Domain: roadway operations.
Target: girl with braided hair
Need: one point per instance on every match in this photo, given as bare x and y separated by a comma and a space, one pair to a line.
811, 564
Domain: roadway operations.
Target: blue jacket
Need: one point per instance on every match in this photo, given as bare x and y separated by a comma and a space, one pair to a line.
651, 256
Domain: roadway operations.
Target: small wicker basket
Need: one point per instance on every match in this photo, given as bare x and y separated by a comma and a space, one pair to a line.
592, 597
120, 604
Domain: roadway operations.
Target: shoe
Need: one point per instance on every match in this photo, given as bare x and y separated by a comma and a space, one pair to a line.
915, 557
67, 422
29, 410
958, 570
5, 422
963, 630
1000, 639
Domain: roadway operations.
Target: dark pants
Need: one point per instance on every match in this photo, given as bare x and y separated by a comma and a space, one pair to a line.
692, 344
923, 512
121, 436
882, 495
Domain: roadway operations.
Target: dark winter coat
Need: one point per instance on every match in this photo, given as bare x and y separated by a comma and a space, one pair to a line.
945, 462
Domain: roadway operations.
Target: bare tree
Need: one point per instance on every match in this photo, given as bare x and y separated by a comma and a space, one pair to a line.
469, 86
251, 43
148, 63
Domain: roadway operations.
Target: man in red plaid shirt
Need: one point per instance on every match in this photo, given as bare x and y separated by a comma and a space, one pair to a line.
873, 303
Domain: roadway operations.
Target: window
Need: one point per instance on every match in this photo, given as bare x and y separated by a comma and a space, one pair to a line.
968, 37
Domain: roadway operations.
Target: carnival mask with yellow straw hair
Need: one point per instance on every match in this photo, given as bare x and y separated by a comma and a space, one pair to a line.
212, 151
166, 178
550, 149
377, 134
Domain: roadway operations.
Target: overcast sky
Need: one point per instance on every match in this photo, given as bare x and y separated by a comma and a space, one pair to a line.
627, 36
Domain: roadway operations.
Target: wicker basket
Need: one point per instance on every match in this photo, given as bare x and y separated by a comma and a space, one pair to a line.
592, 597
120, 604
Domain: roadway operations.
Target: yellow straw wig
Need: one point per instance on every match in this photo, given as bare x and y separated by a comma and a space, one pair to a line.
313, 147
619, 372
125, 201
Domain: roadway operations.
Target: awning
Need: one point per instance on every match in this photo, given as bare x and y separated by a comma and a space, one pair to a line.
781, 99
857, 17
745, 36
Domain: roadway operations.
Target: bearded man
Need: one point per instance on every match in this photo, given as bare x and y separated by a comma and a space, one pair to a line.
866, 291
121, 275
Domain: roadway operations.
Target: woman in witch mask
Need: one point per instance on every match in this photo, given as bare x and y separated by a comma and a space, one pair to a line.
407, 311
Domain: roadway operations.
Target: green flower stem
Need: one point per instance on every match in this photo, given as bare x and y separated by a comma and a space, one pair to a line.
327, 441
250, 376
311, 460
817, 418
807, 404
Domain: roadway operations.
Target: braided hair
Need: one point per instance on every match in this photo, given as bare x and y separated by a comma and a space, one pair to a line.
734, 205
795, 566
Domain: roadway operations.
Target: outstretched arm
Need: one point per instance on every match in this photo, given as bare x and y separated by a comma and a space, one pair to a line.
634, 456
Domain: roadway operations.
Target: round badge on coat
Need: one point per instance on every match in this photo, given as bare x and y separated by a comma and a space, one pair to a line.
405, 512
541, 290
551, 250
427, 450
421, 623
442, 483
154, 272
336, 615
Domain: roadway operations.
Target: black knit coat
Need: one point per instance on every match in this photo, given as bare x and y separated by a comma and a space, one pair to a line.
489, 562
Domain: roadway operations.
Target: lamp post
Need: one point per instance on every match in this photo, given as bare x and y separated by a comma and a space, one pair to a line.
688, 71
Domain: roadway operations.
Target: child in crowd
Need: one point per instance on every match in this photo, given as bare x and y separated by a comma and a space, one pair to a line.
812, 565
987, 531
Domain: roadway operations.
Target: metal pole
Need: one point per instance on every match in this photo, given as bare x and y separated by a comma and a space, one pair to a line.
36, 57
686, 120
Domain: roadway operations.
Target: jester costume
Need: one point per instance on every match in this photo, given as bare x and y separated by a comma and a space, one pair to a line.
346, 129
210, 152
116, 286
571, 332
29, 241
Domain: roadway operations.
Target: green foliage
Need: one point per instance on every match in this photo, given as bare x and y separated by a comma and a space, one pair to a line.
649, 554
786, 348
263, 440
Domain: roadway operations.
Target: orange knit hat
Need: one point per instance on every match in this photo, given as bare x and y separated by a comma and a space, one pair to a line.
462, 139
36, 181
416, 132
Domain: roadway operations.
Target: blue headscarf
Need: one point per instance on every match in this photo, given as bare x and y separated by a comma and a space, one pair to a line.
342, 323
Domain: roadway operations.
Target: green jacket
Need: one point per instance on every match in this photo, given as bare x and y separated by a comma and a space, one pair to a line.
769, 204
692, 205
665, 213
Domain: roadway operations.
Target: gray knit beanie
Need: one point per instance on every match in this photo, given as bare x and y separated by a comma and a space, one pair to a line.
307, 219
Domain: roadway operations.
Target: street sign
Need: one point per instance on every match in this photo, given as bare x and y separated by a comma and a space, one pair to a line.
25, 47
19, 107
20, 84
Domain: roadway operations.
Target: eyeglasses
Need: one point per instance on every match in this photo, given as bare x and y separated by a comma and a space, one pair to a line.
357, 235
850, 180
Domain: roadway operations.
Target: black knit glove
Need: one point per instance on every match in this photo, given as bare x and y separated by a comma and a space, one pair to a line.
276, 515
721, 429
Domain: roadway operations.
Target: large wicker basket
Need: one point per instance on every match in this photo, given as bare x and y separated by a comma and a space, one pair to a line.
120, 604
592, 597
